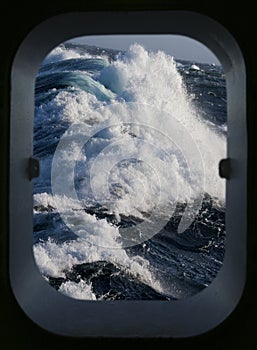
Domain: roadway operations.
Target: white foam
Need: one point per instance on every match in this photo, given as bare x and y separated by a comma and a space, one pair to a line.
98, 243
80, 290
163, 134
54, 259
151, 82
61, 53
195, 67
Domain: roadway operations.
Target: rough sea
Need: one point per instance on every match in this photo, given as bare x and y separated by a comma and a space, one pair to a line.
129, 204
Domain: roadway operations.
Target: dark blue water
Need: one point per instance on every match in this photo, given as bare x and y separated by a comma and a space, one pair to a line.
78, 84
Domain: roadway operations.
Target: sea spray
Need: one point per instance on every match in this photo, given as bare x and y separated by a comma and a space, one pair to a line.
146, 151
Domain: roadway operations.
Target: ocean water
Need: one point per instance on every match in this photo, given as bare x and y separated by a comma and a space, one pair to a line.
129, 204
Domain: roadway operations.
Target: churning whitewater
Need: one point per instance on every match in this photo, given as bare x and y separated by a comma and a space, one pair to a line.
129, 204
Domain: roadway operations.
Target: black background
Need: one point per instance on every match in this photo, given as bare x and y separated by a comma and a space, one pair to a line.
240, 18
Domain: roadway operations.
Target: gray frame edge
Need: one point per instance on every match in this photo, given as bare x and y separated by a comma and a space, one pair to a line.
66, 316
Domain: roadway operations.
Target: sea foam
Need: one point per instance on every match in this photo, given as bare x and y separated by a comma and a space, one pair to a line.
138, 153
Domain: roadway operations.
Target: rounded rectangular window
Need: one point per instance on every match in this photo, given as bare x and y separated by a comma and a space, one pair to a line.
124, 153
129, 204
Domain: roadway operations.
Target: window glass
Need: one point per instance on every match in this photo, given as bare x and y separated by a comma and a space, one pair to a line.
129, 132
